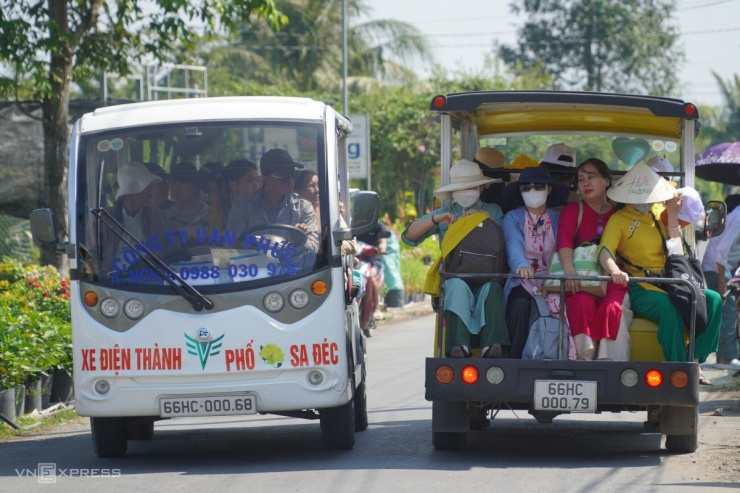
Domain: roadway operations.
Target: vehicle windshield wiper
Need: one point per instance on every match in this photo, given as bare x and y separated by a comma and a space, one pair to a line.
181, 287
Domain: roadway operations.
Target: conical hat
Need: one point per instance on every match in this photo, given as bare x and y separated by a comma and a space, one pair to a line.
641, 185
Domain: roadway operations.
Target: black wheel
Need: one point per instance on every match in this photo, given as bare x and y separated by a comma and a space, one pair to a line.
109, 436
140, 431
449, 440
338, 426
360, 398
685, 444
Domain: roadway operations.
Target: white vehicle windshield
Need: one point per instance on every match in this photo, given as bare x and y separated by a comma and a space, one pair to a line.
203, 200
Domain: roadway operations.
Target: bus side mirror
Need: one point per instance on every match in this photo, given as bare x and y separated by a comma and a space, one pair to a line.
42, 228
714, 220
364, 212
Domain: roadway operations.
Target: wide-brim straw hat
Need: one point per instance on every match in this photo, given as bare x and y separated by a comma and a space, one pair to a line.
463, 174
641, 185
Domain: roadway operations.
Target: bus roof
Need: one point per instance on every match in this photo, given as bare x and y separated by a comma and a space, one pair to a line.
505, 112
204, 109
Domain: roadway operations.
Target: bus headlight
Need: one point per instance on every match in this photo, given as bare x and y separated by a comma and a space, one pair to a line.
273, 302
110, 307
133, 308
298, 299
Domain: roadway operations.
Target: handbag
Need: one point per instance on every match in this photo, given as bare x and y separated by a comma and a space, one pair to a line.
585, 261
686, 267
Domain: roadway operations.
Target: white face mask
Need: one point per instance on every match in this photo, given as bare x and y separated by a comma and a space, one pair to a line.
534, 198
466, 198
642, 208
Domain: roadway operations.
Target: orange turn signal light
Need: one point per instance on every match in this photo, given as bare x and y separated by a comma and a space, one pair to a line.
469, 374
679, 379
445, 374
90, 298
319, 288
654, 378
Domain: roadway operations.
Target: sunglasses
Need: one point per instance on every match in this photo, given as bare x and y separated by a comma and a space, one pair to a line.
285, 177
526, 187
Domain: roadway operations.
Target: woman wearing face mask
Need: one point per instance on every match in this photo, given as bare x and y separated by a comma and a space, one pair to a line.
467, 311
632, 234
531, 233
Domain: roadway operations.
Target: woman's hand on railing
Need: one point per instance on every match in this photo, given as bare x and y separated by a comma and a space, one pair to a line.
619, 277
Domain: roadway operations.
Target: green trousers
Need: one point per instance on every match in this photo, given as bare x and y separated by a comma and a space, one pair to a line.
657, 306
493, 332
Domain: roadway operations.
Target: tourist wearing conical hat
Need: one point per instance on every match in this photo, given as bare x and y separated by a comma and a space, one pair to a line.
632, 234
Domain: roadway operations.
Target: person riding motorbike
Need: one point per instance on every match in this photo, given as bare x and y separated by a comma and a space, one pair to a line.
371, 246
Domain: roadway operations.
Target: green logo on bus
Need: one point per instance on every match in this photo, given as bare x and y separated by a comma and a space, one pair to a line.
203, 349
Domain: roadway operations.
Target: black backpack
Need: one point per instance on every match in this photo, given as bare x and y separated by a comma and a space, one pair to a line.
481, 251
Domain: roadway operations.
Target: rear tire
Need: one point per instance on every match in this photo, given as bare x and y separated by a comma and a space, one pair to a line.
685, 444
443, 440
109, 436
338, 426
140, 431
360, 398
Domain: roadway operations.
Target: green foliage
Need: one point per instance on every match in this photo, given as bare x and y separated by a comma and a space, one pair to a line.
599, 45
34, 314
415, 262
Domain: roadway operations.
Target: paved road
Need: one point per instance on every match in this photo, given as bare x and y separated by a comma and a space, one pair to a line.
275, 454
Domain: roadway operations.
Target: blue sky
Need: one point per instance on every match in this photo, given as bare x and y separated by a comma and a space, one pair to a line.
462, 32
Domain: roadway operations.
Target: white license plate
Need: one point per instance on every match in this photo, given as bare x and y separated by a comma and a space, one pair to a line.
212, 405
565, 395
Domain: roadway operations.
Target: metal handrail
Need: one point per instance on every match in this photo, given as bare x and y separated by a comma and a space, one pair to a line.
487, 277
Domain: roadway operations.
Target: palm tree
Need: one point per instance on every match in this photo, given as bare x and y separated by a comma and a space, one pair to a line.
306, 52
730, 115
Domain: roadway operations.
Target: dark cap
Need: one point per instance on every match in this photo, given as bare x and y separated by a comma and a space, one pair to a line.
184, 172
277, 160
157, 170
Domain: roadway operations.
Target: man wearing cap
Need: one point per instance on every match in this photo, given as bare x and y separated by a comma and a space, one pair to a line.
188, 212
632, 234
134, 212
275, 202
161, 188
560, 161
467, 311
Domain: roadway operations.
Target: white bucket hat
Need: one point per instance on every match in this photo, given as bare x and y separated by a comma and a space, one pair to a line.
692, 208
134, 178
464, 174
641, 185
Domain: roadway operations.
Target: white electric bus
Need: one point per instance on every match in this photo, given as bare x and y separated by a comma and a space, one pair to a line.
200, 320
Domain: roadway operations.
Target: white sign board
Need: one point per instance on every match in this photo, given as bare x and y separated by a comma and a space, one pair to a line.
358, 148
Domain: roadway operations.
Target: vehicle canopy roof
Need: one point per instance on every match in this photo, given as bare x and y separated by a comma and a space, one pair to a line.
209, 109
507, 112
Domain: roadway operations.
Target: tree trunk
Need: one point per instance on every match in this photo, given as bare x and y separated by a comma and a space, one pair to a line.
55, 109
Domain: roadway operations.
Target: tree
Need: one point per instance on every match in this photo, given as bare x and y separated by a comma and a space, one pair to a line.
730, 108
599, 45
44, 43
306, 53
